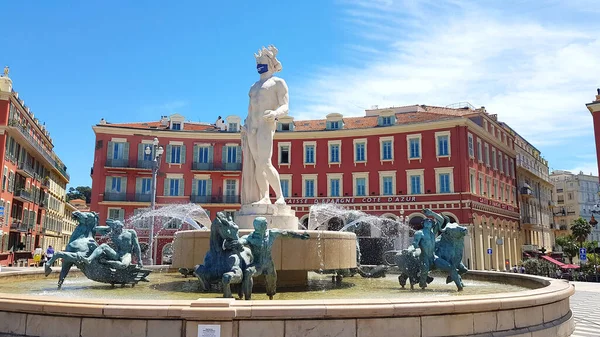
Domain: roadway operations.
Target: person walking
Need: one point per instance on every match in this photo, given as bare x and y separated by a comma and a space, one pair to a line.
49, 253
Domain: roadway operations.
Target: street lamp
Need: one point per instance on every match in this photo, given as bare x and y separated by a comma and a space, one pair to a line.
158, 152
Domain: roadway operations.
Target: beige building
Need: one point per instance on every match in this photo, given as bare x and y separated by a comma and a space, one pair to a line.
575, 195
58, 224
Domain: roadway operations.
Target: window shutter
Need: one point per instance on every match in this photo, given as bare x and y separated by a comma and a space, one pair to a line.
209, 187
141, 151
110, 150
328, 125
121, 214
238, 154
278, 126
183, 154
379, 120
169, 154
167, 185
194, 187
224, 158
181, 187
138, 185
126, 151
210, 154
108, 185
123, 184
196, 149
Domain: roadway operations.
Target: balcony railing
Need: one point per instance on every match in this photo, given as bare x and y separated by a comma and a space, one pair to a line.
529, 220
216, 166
18, 225
120, 196
215, 199
117, 163
23, 194
44, 152
26, 168
144, 164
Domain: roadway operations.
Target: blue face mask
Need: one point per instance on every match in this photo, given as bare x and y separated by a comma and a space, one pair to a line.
262, 68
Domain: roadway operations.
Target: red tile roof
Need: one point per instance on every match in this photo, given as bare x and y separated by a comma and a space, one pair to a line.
188, 126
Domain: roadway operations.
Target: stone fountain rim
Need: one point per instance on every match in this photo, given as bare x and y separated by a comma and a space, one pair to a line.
228, 309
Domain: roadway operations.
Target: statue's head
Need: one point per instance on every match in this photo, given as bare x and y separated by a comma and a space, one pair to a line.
454, 232
266, 60
427, 223
225, 225
115, 225
260, 224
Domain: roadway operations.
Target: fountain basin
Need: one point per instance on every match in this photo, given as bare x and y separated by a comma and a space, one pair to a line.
324, 250
542, 311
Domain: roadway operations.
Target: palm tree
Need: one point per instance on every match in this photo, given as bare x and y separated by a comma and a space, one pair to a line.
581, 230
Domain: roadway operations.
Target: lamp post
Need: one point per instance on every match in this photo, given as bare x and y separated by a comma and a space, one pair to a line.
156, 152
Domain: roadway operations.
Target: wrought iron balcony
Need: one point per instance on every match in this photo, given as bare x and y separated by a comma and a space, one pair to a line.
215, 199
117, 163
115, 196
23, 195
121, 196
231, 199
25, 169
216, 166
231, 166
202, 166
18, 225
144, 164
529, 220
143, 197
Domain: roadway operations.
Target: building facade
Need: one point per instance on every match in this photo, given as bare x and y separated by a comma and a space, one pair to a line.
460, 162
535, 196
33, 181
576, 195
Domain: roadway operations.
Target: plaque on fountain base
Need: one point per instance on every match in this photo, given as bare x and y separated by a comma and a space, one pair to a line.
278, 216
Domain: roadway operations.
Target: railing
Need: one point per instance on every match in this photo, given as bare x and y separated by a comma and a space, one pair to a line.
27, 168
216, 166
18, 225
46, 183
120, 196
529, 219
144, 164
117, 163
215, 199
526, 191
44, 152
23, 194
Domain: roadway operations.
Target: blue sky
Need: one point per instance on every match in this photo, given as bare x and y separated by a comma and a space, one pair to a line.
534, 63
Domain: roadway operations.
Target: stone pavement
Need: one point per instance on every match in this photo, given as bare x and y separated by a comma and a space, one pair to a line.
585, 305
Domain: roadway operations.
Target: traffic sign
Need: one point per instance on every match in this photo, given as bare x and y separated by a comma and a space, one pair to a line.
582, 254
489, 251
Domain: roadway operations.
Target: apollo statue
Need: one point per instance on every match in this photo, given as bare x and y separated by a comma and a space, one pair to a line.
268, 101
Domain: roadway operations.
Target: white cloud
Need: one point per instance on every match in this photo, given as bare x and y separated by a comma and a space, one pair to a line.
535, 74
586, 168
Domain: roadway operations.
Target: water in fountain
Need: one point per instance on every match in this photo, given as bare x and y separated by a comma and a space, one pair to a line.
321, 214
190, 215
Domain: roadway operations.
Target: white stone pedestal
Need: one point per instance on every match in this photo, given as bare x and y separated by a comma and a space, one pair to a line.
278, 216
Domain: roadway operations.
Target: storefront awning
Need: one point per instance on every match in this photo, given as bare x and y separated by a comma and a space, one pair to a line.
570, 266
551, 260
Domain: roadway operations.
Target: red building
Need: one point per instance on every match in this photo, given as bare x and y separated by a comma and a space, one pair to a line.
33, 182
594, 108
458, 161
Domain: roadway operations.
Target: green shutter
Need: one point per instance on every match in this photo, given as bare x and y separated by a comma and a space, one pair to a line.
167, 184
126, 151
196, 147
110, 150
379, 120
394, 119
121, 214
328, 125
169, 154
141, 151
278, 126
182, 154
209, 187
194, 187
181, 187
138, 185
123, 184
108, 184
238, 154
210, 154
224, 158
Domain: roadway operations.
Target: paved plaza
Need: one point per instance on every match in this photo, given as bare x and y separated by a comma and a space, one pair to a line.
586, 309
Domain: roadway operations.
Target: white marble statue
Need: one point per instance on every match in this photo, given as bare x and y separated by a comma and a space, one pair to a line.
268, 101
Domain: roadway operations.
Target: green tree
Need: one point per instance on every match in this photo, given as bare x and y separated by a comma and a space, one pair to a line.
80, 192
581, 229
568, 245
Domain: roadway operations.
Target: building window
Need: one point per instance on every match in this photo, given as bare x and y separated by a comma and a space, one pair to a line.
494, 158
309, 188
388, 186
204, 154
495, 189
202, 187
500, 162
414, 147
233, 127
472, 183
284, 153
176, 154
146, 185
116, 214
487, 187
285, 187
334, 153
481, 184
501, 196
232, 154
359, 152
118, 150
334, 187
386, 120
284, 127
173, 187
444, 181
115, 185
479, 152
443, 143
309, 154
175, 126
415, 184
386, 150
334, 125
512, 168
231, 191
361, 187
471, 145
487, 155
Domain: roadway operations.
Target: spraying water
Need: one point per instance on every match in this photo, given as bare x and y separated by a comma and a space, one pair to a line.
169, 216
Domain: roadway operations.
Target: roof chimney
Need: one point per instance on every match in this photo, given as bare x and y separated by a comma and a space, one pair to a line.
164, 121
598, 96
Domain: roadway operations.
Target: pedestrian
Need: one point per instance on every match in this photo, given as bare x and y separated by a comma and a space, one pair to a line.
522, 269
37, 256
49, 253
514, 269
